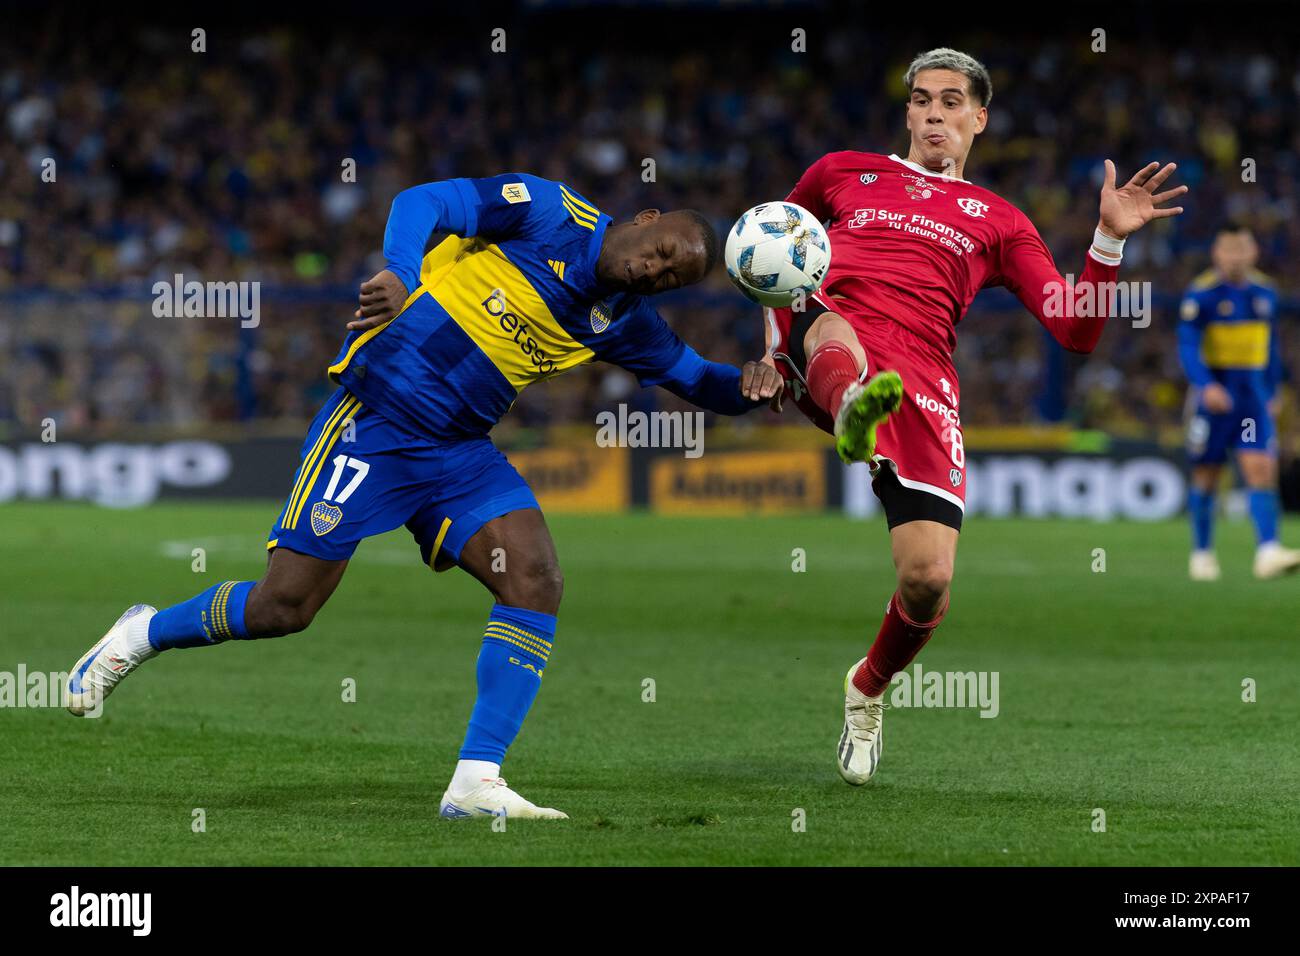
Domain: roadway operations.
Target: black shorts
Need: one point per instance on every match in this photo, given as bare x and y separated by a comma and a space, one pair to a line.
903, 504
800, 323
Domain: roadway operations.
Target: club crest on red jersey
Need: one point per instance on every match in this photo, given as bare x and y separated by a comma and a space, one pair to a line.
867, 178
973, 207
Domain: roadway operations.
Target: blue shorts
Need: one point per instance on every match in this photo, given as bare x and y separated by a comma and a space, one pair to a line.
361, 475
1248, 427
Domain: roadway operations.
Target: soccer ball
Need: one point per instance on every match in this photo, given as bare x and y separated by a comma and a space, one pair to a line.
776, 252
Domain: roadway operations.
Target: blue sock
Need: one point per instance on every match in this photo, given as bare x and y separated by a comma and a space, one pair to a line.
1263, 513
214, 616
1200, 506
516, 645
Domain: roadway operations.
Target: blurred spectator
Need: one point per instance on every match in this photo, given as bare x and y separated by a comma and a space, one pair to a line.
228, 165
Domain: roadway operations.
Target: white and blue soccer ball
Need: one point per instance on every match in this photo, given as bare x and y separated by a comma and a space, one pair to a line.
776, 252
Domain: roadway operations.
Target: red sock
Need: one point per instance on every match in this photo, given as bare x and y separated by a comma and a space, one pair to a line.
831, 369
899, 641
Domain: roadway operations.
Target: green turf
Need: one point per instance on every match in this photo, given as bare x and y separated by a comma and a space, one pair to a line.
1118, 690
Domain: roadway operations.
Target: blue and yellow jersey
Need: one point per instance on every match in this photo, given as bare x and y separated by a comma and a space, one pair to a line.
1228, 333
507, 298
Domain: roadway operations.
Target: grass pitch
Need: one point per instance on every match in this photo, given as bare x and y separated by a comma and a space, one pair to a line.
1119, 690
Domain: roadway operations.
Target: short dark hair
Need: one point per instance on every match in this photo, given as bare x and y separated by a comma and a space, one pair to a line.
708, 234
944, 58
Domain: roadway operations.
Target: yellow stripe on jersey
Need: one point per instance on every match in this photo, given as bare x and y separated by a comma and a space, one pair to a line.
337, 368
332, 431
498, 308
305, 469
581, 218
583, 213
1206, 280
437, 543
586, 207
557, 267
441, 259
1235, 344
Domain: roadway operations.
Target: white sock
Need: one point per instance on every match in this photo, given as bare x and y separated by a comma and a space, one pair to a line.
137, 637
471, 773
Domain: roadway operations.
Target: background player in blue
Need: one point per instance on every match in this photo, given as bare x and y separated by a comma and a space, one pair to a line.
525, 279
1228, 344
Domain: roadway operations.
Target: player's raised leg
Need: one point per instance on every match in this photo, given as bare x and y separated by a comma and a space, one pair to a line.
1259, 471
514, 557
923, 552
284, 601
308, 557
836, 361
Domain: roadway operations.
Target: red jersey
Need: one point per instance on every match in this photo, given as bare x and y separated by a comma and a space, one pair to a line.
913, 247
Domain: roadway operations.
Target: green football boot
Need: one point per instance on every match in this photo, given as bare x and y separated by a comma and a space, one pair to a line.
862, 410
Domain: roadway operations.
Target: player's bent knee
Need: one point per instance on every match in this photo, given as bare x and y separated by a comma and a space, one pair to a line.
831, 327
1258, 471
548, 585
291, 619
923, 587
539, 588
276, 616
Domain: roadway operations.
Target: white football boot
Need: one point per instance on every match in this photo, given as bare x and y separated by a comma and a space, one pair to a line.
493, 798
124, 648
859, 750
1203, 566
1272, 560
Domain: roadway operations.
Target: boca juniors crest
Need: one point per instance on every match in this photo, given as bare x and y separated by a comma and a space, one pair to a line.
325, 517
599, 317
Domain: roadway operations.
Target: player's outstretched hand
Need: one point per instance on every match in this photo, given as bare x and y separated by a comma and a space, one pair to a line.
759, 380
1127, 209
380, 300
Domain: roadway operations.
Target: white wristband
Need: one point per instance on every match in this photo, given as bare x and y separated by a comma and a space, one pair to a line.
1113, 248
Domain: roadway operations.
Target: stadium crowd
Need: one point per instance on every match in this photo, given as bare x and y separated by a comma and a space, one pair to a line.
229, 165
